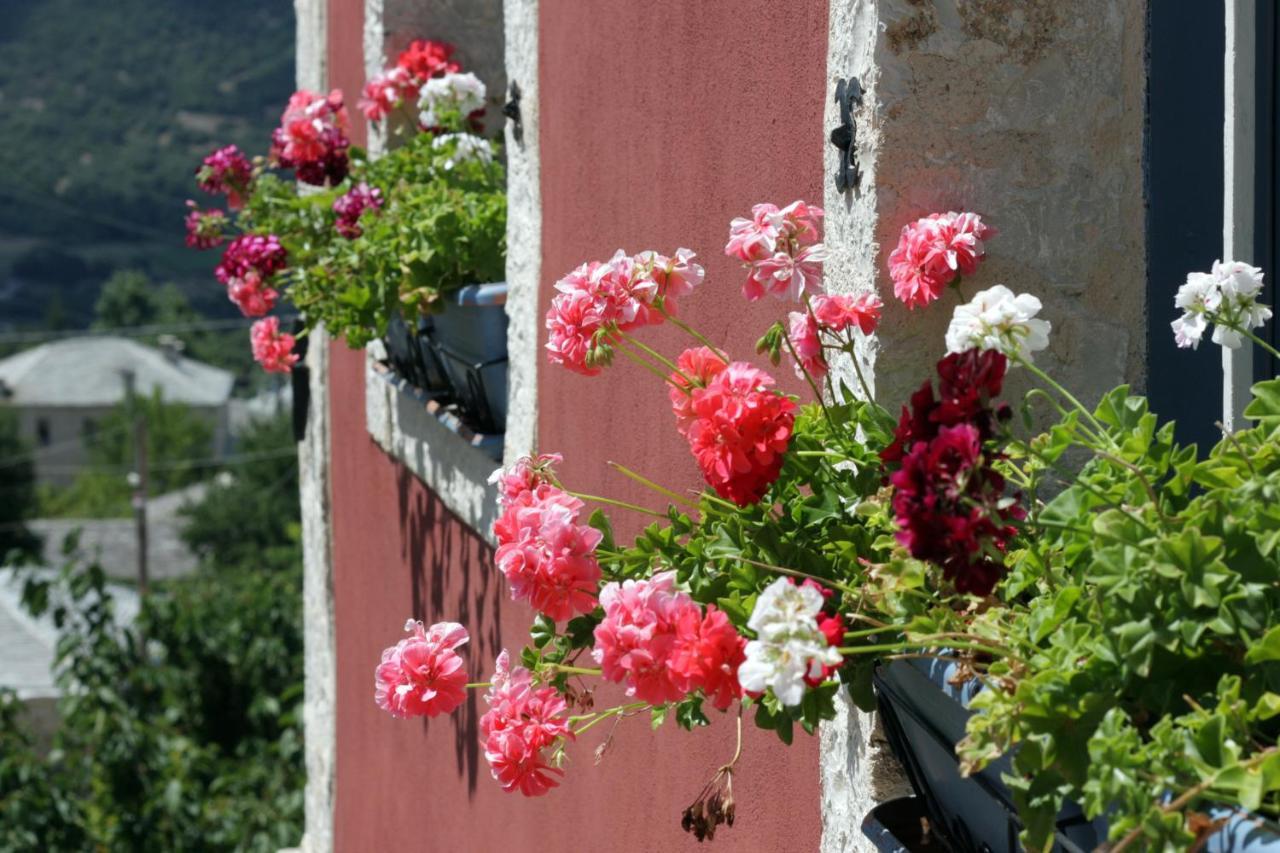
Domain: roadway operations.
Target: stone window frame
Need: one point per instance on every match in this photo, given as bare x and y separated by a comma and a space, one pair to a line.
397, 419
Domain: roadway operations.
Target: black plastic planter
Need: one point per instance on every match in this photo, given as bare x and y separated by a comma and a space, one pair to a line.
458, 358
924, 718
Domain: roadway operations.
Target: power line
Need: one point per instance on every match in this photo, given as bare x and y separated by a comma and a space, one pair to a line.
133, 331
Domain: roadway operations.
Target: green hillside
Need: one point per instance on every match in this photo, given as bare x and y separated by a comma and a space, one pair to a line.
109, 107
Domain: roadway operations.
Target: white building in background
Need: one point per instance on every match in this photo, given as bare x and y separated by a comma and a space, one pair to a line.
63, 389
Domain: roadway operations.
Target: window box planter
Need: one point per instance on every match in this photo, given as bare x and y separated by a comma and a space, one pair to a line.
924, 718
459, 357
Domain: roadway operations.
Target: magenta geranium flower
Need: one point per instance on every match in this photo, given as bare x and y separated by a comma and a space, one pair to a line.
226, 172
205, 228
422, 675
351, 205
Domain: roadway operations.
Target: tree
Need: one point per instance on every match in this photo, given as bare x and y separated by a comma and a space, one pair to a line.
17, 490
252, 518
129, 298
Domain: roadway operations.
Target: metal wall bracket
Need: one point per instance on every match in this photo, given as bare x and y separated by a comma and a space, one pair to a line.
845, 137
511, 109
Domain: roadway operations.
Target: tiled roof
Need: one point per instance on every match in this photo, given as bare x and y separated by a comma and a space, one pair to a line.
89, 371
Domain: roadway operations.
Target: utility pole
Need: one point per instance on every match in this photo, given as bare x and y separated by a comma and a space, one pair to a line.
138, 476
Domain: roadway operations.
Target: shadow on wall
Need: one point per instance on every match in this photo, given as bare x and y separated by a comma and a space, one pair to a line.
452, 580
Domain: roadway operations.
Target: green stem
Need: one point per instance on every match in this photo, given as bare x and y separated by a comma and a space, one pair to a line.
857, 368
807, 378
477, 684
1257, 340
659, 357
604, 715
618, 503
1067, 395
795, 573
649, 366
572, 670
694, 333
645, 481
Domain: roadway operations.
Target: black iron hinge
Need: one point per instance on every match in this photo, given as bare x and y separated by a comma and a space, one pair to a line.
845, 137
511, 109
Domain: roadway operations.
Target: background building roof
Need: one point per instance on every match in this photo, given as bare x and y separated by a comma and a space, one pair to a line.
89, 371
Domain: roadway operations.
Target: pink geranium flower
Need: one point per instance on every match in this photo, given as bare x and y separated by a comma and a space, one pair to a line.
422, 675
251, 296
707, 653
839, 313
312, 138
524, 476
547, 557
522, 722
387, 91
598, 298
272, 348
780, 248
933, 251
699, 364
740, 432
802, 332
573, 324
637, 637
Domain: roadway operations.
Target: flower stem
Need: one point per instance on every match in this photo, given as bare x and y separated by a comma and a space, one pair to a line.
477, 684
795, 573
817, 393
645, 481
1257, 340
1067, 395
618, 503
648, 365
604, 715
694, 333
572, 670
659, 357
862, 380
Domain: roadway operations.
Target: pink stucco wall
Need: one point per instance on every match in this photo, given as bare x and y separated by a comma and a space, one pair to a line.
660, 122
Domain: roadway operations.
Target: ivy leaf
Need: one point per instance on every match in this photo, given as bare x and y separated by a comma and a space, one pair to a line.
1268, 648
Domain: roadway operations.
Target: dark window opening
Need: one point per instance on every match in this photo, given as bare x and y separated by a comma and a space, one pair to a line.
44, 434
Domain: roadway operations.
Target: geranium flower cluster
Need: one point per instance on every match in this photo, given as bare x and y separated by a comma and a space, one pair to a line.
465, 146
996, 319
312, 138
523, 722
547, 557
206, 229
420, 61
1226, 296
796, 643
833, 315
272, 348
422, 675
949, 500
226, 172
737, 425
454, 94
781, 249
247, 265
600, 299
349, 206
656, 640
934, 252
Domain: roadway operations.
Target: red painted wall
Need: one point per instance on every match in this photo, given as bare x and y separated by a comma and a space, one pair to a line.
660, 122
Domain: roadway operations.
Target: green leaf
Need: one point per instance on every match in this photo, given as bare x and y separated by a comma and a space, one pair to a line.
1265, 649
1265, 405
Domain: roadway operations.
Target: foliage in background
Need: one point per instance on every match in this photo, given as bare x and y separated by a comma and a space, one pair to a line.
189, 739
106, 106
17, 489
243, 521
130, 298
179, 444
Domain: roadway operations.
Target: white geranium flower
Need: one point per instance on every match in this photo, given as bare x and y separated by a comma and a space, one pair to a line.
467, 146
998, 319
788, 644
1227, 296
461, 93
